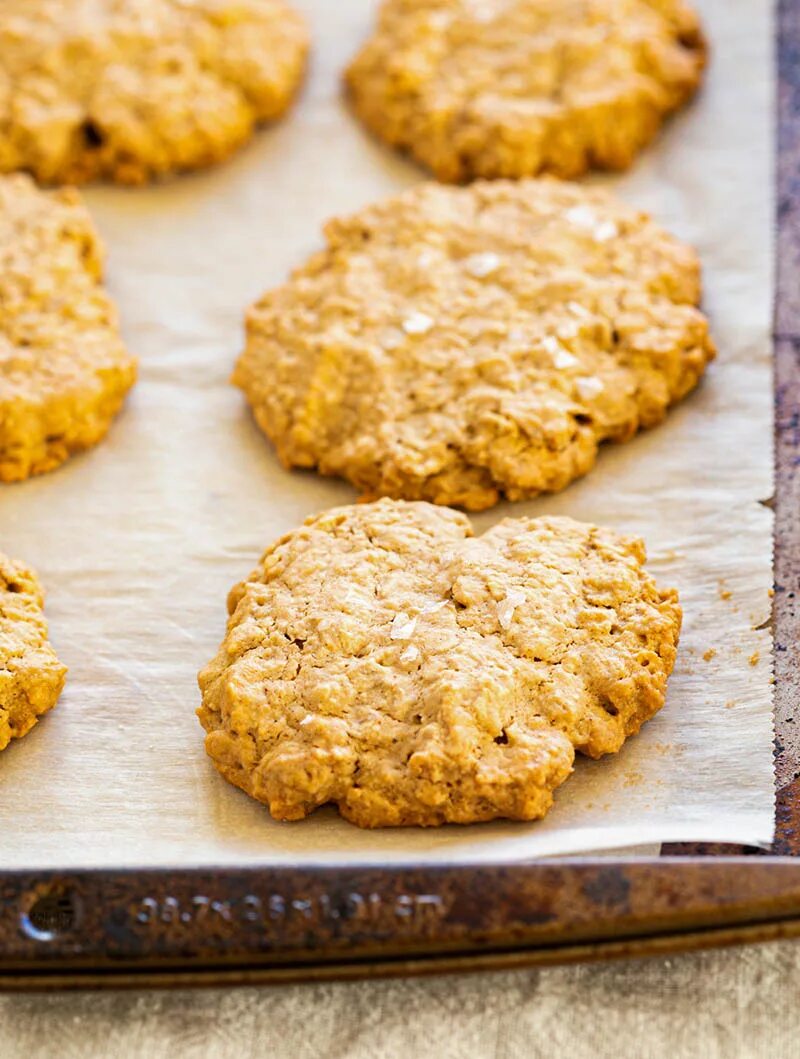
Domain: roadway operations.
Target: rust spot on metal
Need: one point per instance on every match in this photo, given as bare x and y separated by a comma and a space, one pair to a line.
609, 888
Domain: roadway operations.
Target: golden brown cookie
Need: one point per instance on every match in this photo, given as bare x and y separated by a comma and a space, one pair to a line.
382, 659
31, 677
461, 344
64, 370
511, 88
130, 90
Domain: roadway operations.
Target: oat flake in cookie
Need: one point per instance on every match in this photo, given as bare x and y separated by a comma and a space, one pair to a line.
382, 659
31, 677
511, 88
131, 90
459, 345
64, 371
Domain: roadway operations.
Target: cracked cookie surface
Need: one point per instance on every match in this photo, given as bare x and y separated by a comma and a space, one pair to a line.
458, 345
510, 88
31, 677
131, 90
382, 659
64, 371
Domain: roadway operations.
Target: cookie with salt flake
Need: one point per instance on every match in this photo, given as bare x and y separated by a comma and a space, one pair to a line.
64, 370
511, 88
31, 677
132, 90
381, 659
459, 345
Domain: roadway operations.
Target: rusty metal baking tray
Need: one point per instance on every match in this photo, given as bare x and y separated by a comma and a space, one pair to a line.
203, 926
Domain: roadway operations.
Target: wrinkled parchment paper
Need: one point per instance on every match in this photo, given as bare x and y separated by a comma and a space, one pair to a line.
139, 541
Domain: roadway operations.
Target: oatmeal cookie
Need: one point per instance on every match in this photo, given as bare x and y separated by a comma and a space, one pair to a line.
31, 677
511, 88
382, 659
131, 90
458, 345
64, 370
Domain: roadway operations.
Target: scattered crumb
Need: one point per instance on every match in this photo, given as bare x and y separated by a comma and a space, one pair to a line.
709, 654
771, 593
669, 557
633, 779
730, 704
753, 659
724, 593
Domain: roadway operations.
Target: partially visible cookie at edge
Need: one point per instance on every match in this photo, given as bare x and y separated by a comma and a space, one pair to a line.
511, 88
133, 90
31, 676
382, 659
64, 370
460, 345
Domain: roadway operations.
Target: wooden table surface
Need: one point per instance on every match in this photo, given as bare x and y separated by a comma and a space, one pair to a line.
726, 1004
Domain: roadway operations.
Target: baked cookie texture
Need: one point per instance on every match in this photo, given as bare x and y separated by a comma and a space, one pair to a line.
131, 90
31, 677
64, 370
458, 345
511, 88
383, 659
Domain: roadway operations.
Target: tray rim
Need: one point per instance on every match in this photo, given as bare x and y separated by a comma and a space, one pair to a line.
207, 926
203, 926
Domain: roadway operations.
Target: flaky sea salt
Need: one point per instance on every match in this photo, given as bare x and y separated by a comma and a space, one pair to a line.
480, 10
392, 338
417, 324
567, 330
605, 231
402, 626
439, 20
431, 608
582, 217
482, 265
506, 607
562, 358
588, 387
578, 310
409, 654
309, 717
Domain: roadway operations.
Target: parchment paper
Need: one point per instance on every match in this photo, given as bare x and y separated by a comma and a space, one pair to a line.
139, 540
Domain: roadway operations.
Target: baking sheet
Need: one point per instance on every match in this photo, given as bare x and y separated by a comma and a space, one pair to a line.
139, 541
